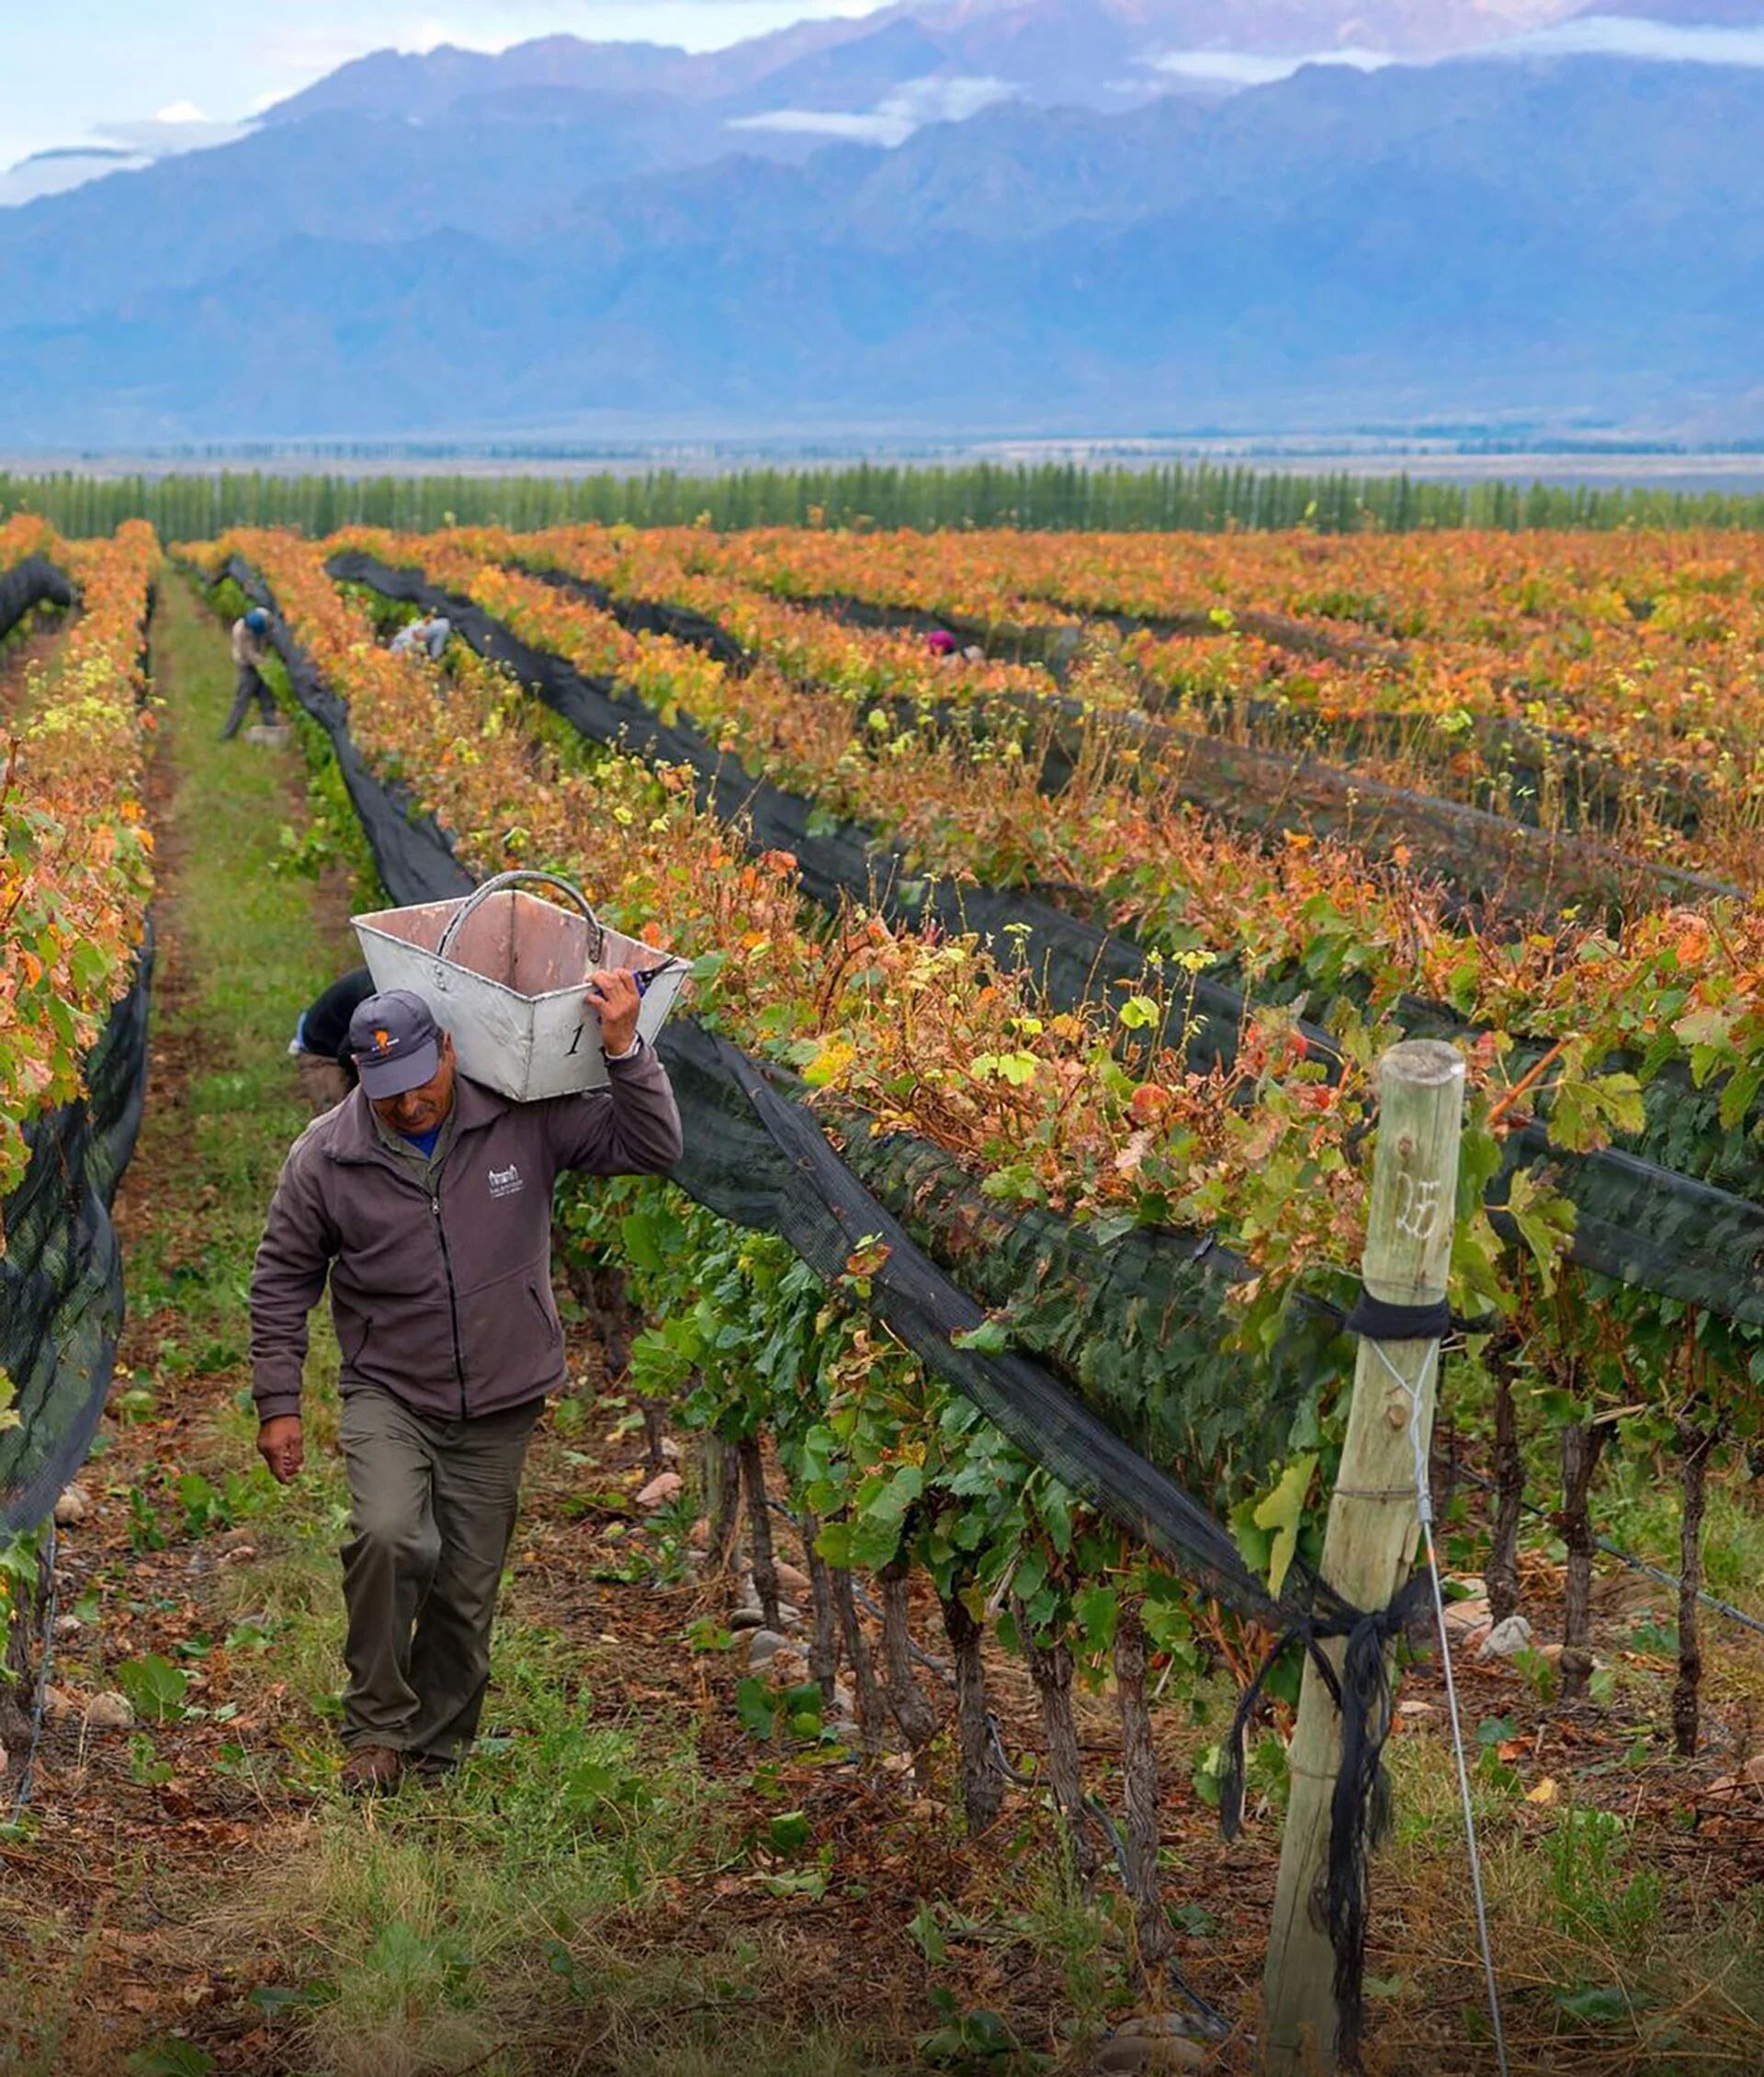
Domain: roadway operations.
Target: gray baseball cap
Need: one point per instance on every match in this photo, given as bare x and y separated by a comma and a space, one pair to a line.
396, 1043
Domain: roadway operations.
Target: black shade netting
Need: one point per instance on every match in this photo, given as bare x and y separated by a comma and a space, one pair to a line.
30, 583
1140, 1320
1691, 1231
60, 1278
1526, 765
757, 1158
1054, 644
1360, 1802
1498, 862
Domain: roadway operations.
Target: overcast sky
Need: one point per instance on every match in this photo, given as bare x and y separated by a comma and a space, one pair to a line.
75, 71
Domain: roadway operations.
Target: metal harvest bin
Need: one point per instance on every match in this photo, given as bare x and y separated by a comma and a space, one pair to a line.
504, 971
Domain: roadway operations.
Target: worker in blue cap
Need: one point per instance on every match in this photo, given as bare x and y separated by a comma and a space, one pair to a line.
250, 651
424, 1200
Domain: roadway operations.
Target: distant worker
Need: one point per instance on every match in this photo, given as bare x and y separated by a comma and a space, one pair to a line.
942, 644
321, 1041
428, 636
250, 652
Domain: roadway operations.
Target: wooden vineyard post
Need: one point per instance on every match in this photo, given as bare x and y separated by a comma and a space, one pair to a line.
1369, 1546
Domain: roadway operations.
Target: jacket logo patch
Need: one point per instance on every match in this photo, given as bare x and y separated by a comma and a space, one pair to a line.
505, 1182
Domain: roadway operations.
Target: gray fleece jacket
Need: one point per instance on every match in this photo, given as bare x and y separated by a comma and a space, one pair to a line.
441, 1291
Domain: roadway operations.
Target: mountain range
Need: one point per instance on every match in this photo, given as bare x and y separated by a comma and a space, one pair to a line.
1049, 50
985, 216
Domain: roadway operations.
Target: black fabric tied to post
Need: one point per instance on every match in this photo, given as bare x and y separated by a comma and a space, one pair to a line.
1360, 1806
1376, 1319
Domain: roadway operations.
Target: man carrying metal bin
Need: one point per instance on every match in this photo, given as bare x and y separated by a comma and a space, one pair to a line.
425, 1197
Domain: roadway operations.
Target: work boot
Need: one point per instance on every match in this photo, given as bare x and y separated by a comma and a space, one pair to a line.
371, 1770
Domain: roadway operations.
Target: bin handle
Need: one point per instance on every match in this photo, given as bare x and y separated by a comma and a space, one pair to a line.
506, 880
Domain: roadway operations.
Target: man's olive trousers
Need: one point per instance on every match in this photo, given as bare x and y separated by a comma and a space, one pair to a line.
433, 1510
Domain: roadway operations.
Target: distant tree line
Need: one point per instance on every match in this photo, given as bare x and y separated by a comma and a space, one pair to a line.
1199, 497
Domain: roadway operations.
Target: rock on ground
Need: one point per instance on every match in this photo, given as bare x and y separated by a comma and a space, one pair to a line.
108, 1712
1127, 2054
1751, 1776
763, 1645
1506, 1640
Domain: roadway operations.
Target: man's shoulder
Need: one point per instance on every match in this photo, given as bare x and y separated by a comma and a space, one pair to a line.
337, 1131
540, 1120
563, 1115
477, 1104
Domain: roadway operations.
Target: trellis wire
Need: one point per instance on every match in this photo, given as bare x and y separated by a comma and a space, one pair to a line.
1628, 1558
1424, 1508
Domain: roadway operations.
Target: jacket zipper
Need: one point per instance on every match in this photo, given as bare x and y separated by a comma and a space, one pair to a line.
453, 1303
